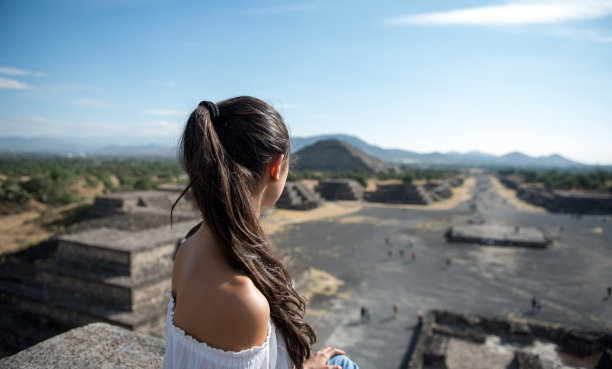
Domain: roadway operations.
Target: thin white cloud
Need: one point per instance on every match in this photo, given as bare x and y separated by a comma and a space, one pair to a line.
578, 35
18, 72
36, 119
43, 126
11, 84
513, 13
283, 9
164, 112
91, 102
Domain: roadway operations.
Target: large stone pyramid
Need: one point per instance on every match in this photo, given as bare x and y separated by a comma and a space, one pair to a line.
333, 155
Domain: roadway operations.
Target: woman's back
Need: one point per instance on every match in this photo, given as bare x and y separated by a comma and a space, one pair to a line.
214, 303
216, 316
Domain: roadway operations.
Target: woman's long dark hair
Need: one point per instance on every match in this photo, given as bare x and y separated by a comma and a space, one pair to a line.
225, 160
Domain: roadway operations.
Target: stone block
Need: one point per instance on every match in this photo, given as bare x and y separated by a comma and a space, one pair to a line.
524, 360
96, 345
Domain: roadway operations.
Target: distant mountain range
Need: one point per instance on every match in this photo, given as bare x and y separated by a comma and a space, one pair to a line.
453, 158
79, 147
76, 147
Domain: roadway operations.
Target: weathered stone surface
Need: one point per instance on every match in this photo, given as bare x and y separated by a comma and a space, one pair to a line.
122, 202
101, 275
580, 203
298, 196
560, 201
521, 332
403, 193
495, 234
340, 189
524, 360
441, 189
435, 355
96, 345
440, 323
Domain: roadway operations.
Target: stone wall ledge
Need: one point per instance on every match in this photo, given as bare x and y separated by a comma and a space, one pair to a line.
96, 345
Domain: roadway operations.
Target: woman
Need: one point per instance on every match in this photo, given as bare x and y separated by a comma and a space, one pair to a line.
232, 304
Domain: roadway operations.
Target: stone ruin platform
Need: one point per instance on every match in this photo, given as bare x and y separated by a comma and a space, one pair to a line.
298, 196
450, 340
139, 201
340, 189
100, 275
404, 193
493, 234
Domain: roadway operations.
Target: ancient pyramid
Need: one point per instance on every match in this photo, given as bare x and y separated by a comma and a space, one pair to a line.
333, 155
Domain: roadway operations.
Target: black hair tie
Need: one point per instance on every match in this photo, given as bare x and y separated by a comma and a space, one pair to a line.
212, 109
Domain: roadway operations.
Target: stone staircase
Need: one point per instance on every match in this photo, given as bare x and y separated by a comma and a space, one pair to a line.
403, 193
340, 189
298, 196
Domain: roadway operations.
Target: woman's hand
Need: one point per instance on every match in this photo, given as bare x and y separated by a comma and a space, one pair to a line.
320, 358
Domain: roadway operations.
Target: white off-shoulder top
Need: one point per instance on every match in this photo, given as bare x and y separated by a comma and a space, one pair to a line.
185, 352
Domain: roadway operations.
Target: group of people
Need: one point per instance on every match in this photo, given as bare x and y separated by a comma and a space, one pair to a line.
401, 252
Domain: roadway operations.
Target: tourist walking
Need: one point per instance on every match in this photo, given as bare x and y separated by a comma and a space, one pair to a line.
232, 303
533, 304
395, 310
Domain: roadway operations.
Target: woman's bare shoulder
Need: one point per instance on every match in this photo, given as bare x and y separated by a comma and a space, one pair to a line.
219, 306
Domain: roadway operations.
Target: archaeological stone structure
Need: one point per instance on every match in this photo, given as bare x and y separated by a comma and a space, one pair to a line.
336, 155
579, 203
449, 339
340, 189
402, 193
560, 201
497, 234
439, 190
114, 269
298, 196
131, 201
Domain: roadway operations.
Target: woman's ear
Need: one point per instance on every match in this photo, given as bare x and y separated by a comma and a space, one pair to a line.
275, 167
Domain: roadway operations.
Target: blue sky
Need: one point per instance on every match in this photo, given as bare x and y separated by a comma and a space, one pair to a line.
496, 76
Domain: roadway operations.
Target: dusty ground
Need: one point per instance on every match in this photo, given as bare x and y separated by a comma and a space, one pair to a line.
331, 209
355, 266
282, 217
